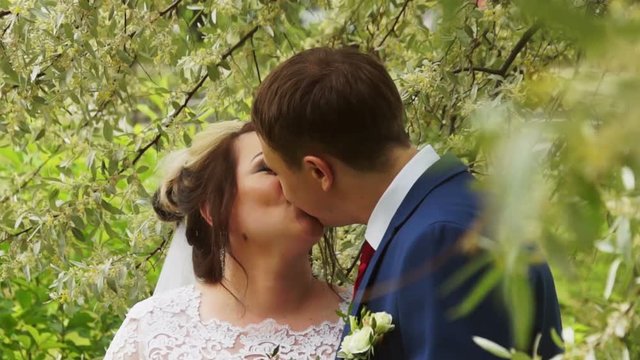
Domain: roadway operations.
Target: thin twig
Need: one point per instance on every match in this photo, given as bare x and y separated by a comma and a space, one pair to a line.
354, 262
395, 22
255, 61
170, 8
288, 41
245, 79
445, 53
519, 46
155, 251
161, 14
31, 177
22, 231
156, 139
479, 69
510, 59
4, 31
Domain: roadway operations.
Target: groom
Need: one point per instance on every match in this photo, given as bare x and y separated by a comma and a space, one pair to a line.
331, 126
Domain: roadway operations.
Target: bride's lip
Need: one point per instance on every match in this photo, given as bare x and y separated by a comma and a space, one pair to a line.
301, 212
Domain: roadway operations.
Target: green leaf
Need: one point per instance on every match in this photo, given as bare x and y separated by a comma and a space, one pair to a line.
520, 299
109, 230
77, 221
145, 109
492, 347
110, 208
122, 55
489, 280
142, 169
12, 76
107, 131
225, 65
213, 73
77, 339
611, 278
24, 298
186, 138
25, 341
40, 134
470, 269
77, 233
84, 4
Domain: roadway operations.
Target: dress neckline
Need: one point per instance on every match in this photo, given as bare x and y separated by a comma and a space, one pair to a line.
268, 323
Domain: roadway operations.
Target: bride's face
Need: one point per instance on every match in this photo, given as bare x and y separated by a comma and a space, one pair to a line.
261, 213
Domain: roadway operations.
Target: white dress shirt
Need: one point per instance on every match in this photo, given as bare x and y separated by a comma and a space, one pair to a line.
390, 201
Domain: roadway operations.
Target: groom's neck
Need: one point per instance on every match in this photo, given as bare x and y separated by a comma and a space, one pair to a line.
368, 187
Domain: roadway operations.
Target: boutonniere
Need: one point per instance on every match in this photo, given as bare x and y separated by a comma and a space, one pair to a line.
365, 333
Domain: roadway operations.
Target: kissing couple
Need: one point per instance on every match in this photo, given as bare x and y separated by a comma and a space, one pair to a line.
326, 146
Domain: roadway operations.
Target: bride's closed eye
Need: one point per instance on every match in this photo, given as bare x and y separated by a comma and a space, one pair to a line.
262, 167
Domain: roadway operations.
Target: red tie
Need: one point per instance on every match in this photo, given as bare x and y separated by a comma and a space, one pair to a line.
365, 256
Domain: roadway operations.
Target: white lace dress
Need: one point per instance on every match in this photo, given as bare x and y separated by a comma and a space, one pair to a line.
168, 326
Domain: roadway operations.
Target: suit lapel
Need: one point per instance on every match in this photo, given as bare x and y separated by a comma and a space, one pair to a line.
438, 173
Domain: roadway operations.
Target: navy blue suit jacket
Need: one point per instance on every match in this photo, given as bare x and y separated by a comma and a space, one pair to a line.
419, 253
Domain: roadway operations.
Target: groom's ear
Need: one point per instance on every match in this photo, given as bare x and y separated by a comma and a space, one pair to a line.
205, 213
320, 169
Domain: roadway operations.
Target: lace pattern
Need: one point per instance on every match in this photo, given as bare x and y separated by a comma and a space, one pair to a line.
169, 327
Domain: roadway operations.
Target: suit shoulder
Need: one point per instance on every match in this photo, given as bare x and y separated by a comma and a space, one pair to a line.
432, 238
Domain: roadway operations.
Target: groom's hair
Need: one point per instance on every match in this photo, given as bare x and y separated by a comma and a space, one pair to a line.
339, 102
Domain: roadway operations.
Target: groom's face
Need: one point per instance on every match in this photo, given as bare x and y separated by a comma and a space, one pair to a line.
299, 187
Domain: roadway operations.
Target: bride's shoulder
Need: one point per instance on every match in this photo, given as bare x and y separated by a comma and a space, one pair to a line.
175, 301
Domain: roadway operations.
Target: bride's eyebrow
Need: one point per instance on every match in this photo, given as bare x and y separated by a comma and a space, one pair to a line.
258, 154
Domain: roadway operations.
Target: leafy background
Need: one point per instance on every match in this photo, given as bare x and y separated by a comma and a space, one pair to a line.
539, 97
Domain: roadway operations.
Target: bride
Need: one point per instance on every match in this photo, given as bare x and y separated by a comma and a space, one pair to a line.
255, 295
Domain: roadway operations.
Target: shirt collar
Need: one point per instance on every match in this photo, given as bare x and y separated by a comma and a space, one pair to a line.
391, 199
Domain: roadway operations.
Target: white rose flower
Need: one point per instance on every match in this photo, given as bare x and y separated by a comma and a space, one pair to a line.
383, 322
358, 342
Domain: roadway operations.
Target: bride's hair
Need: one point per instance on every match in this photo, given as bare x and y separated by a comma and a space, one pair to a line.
204, 175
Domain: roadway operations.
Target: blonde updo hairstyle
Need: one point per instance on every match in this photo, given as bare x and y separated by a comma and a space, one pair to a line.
203, 175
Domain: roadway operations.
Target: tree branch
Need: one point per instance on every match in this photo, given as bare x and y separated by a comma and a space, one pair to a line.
4, 31
395, 22
479, 69
170, 8
510, 59
190, 95
255, 61
518, 47
156, 139
155, 251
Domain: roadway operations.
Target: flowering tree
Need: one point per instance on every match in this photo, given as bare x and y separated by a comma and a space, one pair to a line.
540, 98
